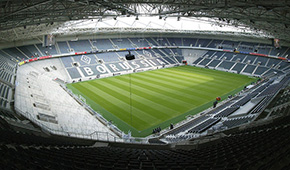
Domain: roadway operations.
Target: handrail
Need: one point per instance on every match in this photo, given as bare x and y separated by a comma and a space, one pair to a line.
97, 135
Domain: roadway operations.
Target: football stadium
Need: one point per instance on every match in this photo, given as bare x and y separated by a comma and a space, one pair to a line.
144, 84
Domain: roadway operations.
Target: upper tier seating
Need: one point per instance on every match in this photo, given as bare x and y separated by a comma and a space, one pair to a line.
81, 45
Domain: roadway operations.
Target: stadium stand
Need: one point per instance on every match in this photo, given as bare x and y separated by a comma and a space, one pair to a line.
219, 108
203, 126
238, 67
31, 50
229, 123
63, 47
178, 58
279, 51
51, 50
31, 151
138, 42
214, 43
213, 63
87, 59
252, 65
225, 110
260, 70
249, 69
245, 100
280, 111
122, 42
257, 147
6, 76
4, 91
7, 114
284, 97
261, 105
226, 65
108, 57
67, 61
228, 111
189, 42
197, 61
71, 97
14, 52
81, 45
74, 73
103, 44
188, 125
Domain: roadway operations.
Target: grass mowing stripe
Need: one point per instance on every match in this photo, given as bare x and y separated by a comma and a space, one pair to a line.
104, 96
119, 100
144, 85
226, 75
177, 79
123, 110
109, 116
223, 78
138, 100
181, 90
151, 93
165, 111
202, 71
180, 76
173, 75
179, 86
218, 78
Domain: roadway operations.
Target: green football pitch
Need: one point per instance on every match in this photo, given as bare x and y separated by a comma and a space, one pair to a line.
140, 102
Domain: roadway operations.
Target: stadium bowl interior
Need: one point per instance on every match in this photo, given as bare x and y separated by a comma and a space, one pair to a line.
144, 85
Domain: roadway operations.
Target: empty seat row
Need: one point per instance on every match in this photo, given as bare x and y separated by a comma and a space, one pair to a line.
36, 50
243, 150
219, 108
204, 125
188, 125
3, 103
6, 76
7, 114
245, 100
237, 121
228, 111
4, 90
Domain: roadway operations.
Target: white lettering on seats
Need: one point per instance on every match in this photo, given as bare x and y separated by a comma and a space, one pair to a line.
101, 69
124, 66
135, 64
113, 66
88, 70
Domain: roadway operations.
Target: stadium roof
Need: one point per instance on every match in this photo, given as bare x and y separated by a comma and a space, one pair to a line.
27, 18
